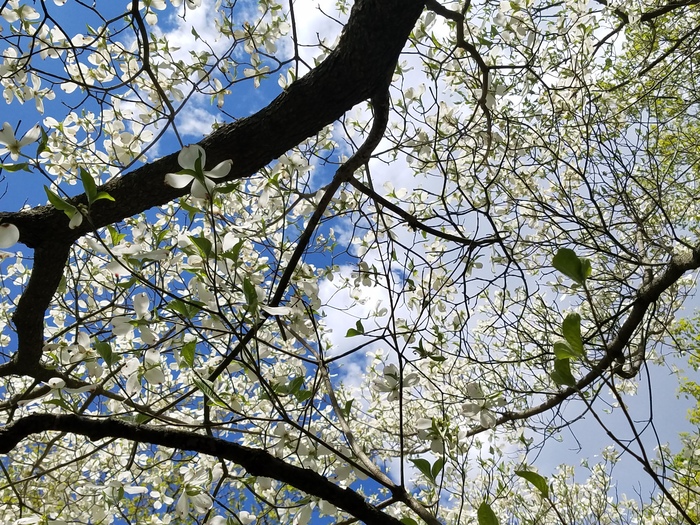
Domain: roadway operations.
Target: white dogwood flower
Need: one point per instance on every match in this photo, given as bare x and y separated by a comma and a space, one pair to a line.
10, 142
391, 382
192, 159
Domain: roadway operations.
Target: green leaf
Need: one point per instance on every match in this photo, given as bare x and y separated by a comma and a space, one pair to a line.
345, 411
103, 195
22, 166
303, 395
89, 185
186, 310
104, 349
537, 481
437, 468
567, 262
251, 296
60, 403
358, 330
43, 141
234, 252
58, 203
562, 350
424, 466
486, 515
198, 168
295, 384
207, 389
203, 245
562, 373
114, 235
571, 327
408, 521
187, 352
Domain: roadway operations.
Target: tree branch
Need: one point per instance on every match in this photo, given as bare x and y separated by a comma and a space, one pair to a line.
647, 294
357, 69
257, 462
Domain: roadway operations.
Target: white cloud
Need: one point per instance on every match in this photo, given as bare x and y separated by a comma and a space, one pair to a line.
195, 121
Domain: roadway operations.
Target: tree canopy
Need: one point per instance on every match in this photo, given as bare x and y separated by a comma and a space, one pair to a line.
288, 263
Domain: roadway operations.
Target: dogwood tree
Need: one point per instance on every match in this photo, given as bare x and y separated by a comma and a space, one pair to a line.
288, 262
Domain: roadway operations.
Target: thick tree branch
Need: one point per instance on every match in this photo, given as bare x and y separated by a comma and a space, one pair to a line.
360, 66
257, 462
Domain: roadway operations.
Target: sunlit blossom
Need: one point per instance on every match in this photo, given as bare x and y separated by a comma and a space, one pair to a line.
193, 159
391, 383
14, 146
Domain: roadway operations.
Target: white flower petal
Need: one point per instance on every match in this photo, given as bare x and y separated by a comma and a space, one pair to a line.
277, 310
189, 155
76, 220
56, 382
175, 180
154, 376
201, 502
182, 505
220, 170
141, 305
31, 136
471, 409
133, 384
199, 191
7, 134
9, 235
487, 419
424, 423
147, 335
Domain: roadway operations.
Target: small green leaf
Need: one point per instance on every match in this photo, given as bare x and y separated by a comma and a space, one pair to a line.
567, 262
22, 166
486, 515
303, 395
345, 411
424, 466
437, 468
358, 330
251, 296
114, 235
43, 141
571, 327
103, 195
586, 269
198, 168
187, 352
89, 185
562, 373
234, 252
207, 389
562, 350
408, 521
203, 245
58, 203
186, 310
60, 403
104, 349
537, 481
295, 385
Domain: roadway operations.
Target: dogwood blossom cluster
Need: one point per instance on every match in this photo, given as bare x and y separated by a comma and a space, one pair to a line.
419, 336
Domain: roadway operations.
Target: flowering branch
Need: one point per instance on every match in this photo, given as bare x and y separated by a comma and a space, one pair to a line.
257, 462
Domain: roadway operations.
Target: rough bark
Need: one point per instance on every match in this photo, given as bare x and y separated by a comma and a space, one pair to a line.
360, 65
256, 462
